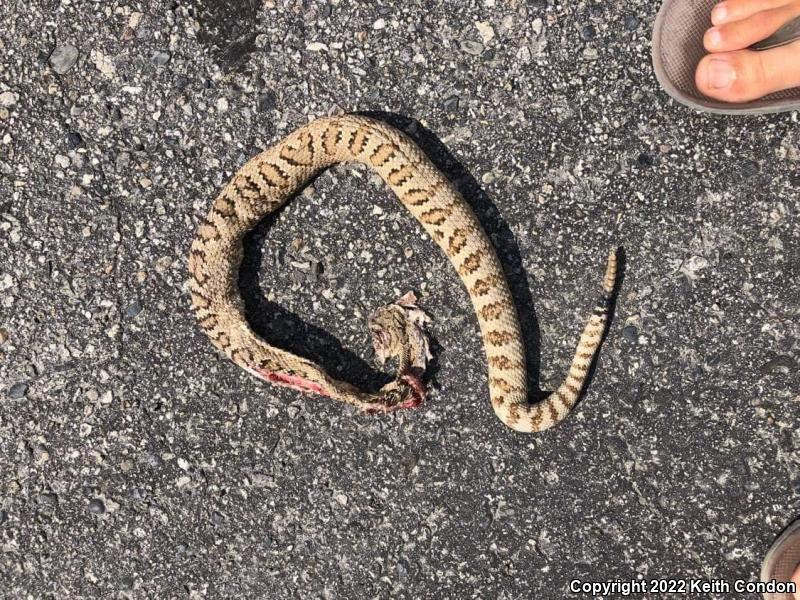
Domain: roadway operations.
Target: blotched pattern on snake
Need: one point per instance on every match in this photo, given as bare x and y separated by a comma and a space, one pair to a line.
274, 176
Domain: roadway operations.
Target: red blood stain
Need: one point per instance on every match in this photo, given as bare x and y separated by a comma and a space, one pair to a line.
303, 385
292, 381
418, 390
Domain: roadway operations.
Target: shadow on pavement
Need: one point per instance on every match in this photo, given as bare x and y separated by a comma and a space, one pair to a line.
287, 331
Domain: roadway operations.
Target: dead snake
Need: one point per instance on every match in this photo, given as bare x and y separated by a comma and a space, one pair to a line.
271, 178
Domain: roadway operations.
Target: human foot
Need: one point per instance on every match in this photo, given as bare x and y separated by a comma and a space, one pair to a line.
796, 580
782, 564
734, 73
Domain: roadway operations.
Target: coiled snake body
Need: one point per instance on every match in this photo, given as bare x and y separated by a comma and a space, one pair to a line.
274, 176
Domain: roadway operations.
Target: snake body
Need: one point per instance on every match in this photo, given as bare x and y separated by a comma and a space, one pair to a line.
272, 177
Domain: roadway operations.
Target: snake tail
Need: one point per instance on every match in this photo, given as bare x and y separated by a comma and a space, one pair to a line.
528, 418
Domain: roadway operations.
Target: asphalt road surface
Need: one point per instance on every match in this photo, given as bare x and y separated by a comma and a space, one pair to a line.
136, 462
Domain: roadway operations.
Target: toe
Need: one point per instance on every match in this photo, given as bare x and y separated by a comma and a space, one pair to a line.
746, 75
737, 35
736, 10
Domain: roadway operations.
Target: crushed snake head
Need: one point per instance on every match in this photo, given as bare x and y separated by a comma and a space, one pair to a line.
398, 331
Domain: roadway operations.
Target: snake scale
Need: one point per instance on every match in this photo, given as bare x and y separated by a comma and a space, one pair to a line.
275, 175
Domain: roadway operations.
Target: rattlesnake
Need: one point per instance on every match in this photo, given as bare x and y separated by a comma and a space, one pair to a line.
268, 180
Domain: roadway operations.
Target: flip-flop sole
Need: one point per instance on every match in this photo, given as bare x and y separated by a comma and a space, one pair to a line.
678, 47
782, 559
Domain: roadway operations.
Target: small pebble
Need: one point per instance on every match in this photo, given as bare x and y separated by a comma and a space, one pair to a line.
97, 507
588, 33
49, 499
485, 30
630, 333
644, 160
74, 139
160, 58
590, 53
631, 22
17, 391
133, 309
451, 104
8, 99
471, 47
266, 101
63, 58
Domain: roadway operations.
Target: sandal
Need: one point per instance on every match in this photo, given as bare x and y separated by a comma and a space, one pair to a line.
782, 559
678, 48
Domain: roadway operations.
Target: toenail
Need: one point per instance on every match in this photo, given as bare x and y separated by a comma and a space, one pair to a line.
720, 13
714, 36
720, 74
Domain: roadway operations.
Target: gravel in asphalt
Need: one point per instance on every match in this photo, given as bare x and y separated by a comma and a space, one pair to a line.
136, 462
